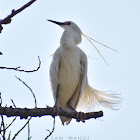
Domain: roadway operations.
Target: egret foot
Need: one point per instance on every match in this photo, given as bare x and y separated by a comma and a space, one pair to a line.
81, 116
57, 108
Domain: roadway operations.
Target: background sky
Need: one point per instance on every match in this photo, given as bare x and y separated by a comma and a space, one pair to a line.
114, 23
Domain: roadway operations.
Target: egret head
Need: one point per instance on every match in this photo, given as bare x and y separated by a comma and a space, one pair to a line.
77, 33
67, 24
72, 27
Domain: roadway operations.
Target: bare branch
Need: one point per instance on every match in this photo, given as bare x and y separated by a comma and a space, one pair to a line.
29, 137
13, 103
0, 99
4, 129
8, 19
3, 126
38, 112
17, 68
50, 132
8, 125
21, 128
27, 123
30, 90
9, 135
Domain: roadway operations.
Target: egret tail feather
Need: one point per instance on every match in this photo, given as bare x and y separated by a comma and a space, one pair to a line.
91, 97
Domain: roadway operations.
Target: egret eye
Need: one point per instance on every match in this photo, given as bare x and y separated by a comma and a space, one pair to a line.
67, 23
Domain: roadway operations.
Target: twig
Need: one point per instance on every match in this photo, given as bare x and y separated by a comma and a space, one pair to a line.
50, 132
13, 103
9, 135
8, 19
29, 137
8, 125
21, 128
29, 89
3, 126
38, 112
0, 99
17, 68
11, 122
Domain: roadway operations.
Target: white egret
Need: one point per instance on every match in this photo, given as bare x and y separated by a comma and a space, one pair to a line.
68, 73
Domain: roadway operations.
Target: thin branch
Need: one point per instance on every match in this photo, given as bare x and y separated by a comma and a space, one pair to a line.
13, 103
3, 126
21, 128
0, 99
38, 112
29, 137
17, 68
9, 135
50, 132
8, 19
29, 89
11, 122
8, 125
30, 117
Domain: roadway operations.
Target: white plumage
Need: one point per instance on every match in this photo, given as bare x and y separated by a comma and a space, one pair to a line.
69, 71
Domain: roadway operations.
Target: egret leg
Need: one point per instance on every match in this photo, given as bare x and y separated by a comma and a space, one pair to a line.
81, 116
57, 95
69, 105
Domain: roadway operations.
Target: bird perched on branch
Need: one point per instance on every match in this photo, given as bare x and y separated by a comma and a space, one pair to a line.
68, 73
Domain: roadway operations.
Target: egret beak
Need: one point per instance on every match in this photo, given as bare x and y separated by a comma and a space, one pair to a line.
58, 23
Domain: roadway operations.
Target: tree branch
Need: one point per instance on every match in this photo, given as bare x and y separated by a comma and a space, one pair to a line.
22, 128
29, 89
7, 20
38, 112
51, 132
3, 126
17, 68
29, 137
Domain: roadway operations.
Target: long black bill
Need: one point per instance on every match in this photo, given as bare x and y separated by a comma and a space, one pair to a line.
58, 23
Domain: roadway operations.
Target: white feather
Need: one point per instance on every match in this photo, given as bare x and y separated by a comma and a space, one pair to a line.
69, 71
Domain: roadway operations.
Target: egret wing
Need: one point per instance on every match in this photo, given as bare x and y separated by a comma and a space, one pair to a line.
82, 81
54, 72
